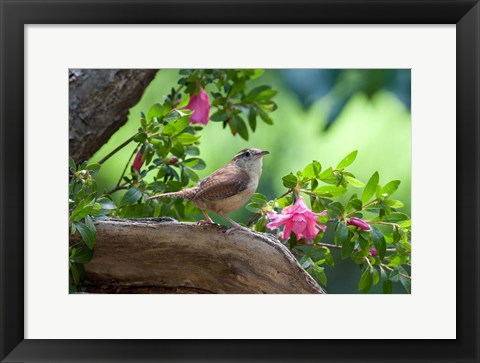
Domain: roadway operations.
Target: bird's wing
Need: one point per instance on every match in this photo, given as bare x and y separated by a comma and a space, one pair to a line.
223, 183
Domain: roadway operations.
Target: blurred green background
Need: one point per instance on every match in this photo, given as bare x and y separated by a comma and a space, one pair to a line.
322, 115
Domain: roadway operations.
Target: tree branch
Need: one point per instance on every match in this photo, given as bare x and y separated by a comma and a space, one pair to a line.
164, 253
99, 102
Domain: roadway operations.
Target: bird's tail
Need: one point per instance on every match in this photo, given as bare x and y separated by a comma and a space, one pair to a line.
187, 194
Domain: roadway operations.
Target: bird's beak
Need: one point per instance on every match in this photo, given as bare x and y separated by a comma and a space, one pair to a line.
264, 152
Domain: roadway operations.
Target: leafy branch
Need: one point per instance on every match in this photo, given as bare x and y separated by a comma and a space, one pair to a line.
354, 220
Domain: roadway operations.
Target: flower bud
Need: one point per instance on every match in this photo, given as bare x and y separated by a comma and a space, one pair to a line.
357, 222
172, 161
137, 163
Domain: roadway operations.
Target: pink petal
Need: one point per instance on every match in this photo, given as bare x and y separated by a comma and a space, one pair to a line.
287, 230
323, 227
299, 225
311, 231
200, 105
276, 220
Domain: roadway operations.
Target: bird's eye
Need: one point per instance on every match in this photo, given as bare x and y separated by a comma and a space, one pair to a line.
247, 154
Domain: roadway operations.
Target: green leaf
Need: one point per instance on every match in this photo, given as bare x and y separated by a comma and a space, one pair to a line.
405, 224
241, 127
347, 160
259, 198
284, 201
336, 209
155, 111
192, 150
407, 284
257, 91
370, 188
379, 242
83, 208
73, 229
93, 168
390, 187
375, 276
327, 173
75, 273
167, 106
356, 204
82, 255
195, 163
264, 116
341, 234
175, 127
398, 260
306, 262
184, 102
71, 165
347, 249
254, 207
252, 118
383, 274
312, 170
387, 287
87, 231
397, 216
363, 243
261, 224
393, 203
187, 139
192, 175
106, 204
220, 115
365, 280
131, 196
256, 73
290, 181
394, 276
317, 254
330, 190
318, 274
354, 182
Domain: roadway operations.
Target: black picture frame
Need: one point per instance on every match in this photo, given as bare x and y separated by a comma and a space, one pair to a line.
15, 14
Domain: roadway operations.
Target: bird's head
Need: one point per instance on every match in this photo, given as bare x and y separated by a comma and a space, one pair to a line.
250, 159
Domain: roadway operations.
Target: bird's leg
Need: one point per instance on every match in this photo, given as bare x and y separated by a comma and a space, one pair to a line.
234, 224
208, 219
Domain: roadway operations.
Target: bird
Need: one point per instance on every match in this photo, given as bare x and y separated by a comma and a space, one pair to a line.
226, 189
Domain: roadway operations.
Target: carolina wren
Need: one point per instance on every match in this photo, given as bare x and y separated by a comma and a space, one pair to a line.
228, 188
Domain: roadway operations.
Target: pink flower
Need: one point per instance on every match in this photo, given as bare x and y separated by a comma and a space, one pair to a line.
357, 222
297, 218
200, 105
373, 252
137, 163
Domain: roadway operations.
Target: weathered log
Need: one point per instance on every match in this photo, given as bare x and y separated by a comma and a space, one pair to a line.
99, 101
166, 256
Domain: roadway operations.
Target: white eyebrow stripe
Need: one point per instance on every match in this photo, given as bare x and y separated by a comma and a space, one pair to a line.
241, 152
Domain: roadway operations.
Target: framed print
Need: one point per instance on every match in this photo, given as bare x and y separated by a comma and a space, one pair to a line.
204, 49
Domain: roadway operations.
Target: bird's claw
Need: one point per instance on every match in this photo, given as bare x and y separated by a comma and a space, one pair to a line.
205, 222
237, 228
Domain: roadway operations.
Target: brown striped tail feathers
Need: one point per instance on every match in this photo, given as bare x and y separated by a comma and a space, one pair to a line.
187, 194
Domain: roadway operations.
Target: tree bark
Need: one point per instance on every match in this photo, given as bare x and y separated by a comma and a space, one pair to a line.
99, 100
166, 256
